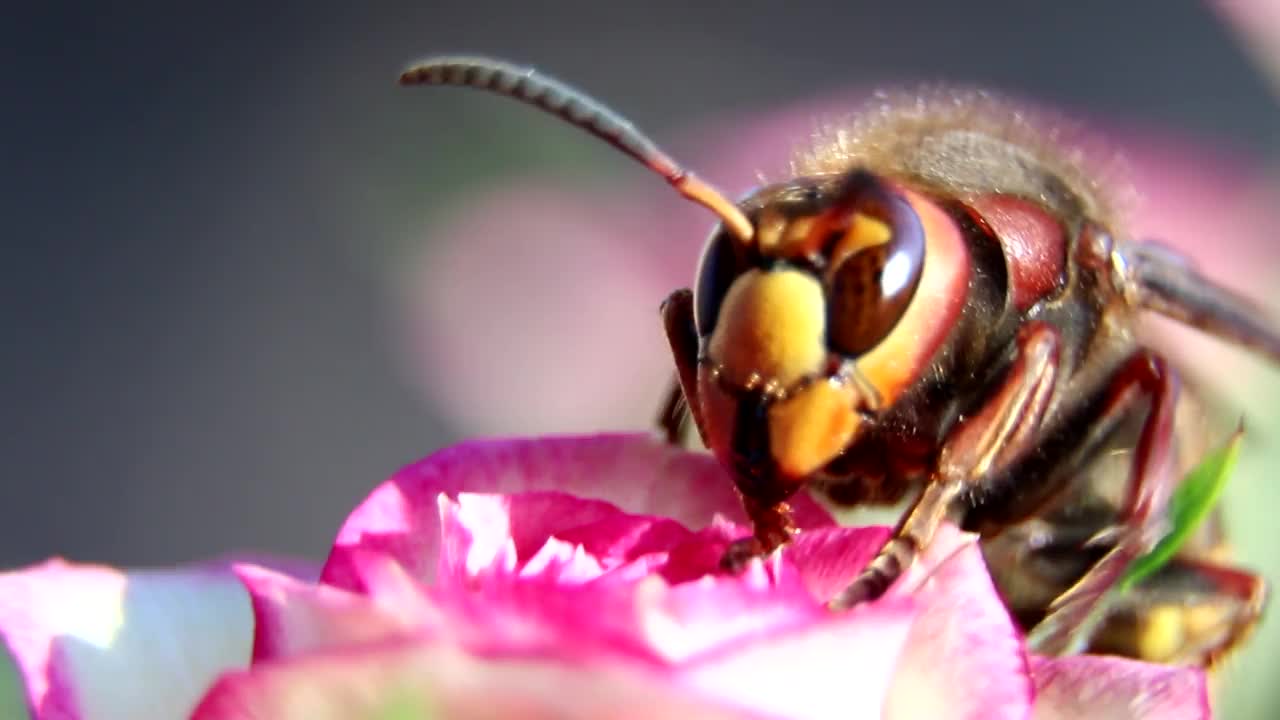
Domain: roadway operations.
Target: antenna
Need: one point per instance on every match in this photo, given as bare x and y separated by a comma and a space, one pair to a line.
582, 111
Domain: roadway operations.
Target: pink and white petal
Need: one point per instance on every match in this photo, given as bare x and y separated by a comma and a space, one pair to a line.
294, 617
504, 532
710, 614
964, 657
637, 473
839, 668
482, 547
646, 621
96, 642
422, 679
1111, 688
628, 611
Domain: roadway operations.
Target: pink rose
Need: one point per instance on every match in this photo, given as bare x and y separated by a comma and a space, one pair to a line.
562, 577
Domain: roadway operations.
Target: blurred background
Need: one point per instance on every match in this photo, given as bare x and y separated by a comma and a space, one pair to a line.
243, 277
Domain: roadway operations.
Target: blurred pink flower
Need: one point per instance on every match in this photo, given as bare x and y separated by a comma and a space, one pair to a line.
567, 578
1257, 22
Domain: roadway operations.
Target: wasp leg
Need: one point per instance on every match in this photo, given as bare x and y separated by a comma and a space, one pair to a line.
673, 416
682, 398
1071, 618
1191, 612
979, 447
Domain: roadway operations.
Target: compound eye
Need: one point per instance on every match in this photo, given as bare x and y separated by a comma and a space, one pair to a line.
722, 262
876, 268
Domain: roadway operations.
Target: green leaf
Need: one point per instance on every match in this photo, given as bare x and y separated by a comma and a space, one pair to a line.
1189, 506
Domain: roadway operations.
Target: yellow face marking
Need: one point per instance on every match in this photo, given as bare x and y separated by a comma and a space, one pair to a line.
808, 429
770, 329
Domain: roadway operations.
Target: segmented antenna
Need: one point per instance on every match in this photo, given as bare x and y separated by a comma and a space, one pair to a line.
580, 110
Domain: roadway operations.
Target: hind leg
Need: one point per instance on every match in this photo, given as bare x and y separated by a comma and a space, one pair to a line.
1072, 617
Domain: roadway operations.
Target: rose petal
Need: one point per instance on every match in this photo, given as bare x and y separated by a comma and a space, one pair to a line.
91, 641
840, 668
565, 603
637, 473
702, 553
964, 657
292, 617
421, 679
499, 533
717, 611
1104, 688
829, 559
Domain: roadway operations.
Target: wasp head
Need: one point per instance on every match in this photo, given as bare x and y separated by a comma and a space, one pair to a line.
831, 269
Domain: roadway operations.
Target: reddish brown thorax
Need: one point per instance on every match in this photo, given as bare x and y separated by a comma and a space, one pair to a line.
1035, 247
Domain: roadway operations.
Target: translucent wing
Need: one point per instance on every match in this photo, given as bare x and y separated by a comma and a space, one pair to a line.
1163, 280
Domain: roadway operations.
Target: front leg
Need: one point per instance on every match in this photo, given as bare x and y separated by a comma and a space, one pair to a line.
682, 397
673, 416
978, 449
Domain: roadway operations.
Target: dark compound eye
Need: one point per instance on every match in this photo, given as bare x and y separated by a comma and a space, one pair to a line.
870, 288
722, 262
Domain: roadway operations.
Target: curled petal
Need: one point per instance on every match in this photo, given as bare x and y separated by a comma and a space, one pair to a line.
835, 669
964, 657
95, 642
485, 534
637, 473
606, 594
1109, 688
292, 617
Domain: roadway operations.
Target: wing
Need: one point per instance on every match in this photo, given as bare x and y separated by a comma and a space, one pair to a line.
1165, 281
